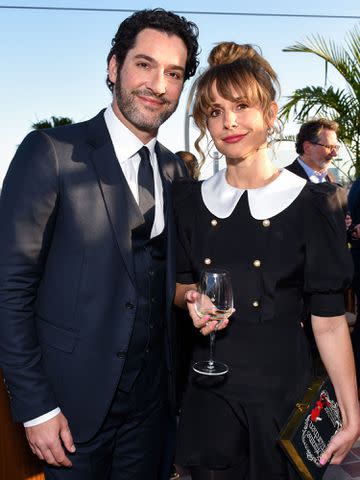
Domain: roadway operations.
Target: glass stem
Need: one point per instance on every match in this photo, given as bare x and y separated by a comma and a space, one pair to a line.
212, 347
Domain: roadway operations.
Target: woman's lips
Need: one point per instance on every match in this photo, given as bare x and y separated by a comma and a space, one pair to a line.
233, 138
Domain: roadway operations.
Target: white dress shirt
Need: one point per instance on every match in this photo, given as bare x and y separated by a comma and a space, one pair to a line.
126, 146
314, 176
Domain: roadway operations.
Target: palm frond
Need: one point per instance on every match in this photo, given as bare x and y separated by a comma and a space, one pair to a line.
314, 101
53, 122
344, 60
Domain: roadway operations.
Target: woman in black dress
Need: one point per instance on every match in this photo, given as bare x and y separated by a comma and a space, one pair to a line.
280, 237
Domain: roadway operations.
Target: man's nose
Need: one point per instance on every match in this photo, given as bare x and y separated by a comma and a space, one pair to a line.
157, 83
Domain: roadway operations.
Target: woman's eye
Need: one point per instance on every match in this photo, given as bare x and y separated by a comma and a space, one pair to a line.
215, 113
241, 106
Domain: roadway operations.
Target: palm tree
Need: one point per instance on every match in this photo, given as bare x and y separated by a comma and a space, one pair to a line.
341, 105
53, 122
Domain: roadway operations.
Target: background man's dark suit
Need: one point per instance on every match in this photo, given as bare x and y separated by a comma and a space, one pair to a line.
67, 288
296, 168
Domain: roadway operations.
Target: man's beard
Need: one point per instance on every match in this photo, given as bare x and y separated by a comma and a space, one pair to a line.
125, 100
323, 164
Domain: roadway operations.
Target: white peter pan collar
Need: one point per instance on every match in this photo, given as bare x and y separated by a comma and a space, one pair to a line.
221, 198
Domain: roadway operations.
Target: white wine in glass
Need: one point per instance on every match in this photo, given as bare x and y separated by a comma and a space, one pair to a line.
215, 299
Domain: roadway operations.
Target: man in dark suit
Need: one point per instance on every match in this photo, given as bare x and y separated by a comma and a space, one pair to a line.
86, 267
316, 144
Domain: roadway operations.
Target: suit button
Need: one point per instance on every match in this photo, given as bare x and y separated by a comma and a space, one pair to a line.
121, 354
151, 273
129, 305
257, 263
266, 223
255, 303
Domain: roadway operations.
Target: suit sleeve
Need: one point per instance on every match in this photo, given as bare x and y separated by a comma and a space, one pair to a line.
328, 265
27, 215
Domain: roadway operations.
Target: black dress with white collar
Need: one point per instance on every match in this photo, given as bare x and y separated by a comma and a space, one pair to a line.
278, 242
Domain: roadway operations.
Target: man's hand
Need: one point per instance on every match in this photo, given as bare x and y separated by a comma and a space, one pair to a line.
47, 440
356, 232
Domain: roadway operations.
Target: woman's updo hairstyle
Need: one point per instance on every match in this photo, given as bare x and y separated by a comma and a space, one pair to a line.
240, 69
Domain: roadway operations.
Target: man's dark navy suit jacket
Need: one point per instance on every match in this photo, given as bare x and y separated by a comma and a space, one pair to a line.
67, 288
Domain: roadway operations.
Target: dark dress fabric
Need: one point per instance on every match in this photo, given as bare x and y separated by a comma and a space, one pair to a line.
235, 419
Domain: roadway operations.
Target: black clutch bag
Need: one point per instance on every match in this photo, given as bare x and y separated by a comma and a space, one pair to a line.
312, 424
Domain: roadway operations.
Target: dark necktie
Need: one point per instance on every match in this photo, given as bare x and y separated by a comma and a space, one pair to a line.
146, 190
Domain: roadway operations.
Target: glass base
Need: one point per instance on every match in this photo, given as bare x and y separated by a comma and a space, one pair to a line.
210, 368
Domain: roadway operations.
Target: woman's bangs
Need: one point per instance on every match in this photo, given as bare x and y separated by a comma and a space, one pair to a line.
234, 85
204, 96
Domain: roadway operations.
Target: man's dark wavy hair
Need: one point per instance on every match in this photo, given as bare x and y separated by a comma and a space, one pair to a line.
310, 131
157, 19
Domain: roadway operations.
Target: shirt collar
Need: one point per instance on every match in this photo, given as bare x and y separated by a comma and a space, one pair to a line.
265, 202
313, 175
126, 143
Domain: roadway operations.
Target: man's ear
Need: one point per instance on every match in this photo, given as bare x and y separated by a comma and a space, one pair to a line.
112, 69
307, 145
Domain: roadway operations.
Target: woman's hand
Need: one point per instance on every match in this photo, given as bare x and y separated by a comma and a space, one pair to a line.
204, 324
340, 445
334, 345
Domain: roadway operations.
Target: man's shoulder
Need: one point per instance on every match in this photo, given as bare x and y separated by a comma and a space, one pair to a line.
296, 168
170, 161
74, 130
165, 152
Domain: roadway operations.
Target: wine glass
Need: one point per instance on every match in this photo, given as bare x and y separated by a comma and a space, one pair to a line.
215, 299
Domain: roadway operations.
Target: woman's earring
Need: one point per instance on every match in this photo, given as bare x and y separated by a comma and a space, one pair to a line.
270, 131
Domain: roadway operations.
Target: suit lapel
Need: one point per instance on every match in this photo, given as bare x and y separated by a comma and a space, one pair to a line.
166, 168
120, 204
297, 168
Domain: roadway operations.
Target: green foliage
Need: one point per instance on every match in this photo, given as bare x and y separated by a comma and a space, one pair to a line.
53, 122
341, 105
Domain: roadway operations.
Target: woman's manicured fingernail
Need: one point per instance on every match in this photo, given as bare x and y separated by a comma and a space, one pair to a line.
322, 461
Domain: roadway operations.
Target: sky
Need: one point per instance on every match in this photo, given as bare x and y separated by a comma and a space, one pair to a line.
54, 62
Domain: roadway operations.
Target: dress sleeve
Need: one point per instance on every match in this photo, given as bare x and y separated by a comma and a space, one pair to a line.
184, 197
328, 264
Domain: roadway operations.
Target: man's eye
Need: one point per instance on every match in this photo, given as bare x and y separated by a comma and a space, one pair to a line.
175, 75
142, 65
